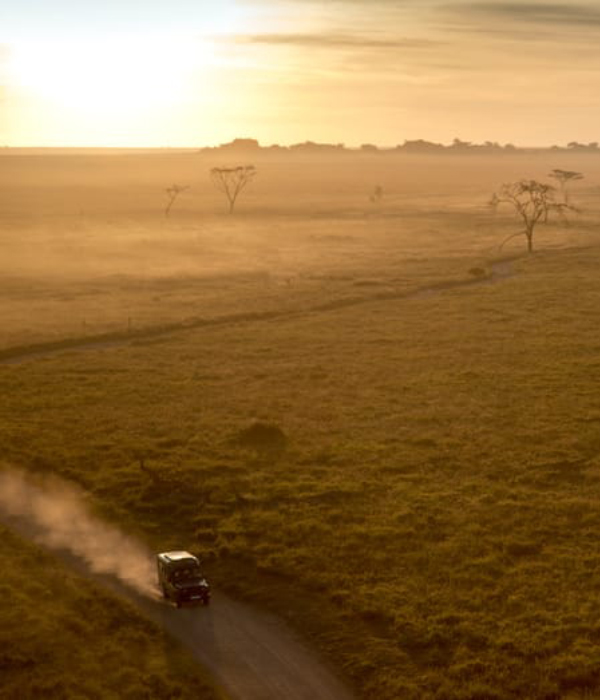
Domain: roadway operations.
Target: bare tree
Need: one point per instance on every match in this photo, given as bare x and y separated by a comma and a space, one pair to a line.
493, 203
564, 178
172, 193
231, 181
377, 195
532, 201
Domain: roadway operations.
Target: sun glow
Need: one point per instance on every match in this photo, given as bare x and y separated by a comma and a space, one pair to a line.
113, 84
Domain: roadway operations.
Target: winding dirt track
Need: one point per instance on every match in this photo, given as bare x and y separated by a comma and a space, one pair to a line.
250, 654
498, 270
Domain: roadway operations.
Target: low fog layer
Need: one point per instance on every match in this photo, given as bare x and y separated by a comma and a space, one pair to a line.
56, 515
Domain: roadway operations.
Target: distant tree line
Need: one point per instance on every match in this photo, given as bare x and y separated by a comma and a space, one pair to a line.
246, 145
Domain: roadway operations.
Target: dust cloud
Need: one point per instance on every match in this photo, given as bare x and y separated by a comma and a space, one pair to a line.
55, 515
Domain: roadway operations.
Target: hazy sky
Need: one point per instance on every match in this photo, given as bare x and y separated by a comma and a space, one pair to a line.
192, 72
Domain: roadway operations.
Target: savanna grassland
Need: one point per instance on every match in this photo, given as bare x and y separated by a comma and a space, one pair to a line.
426, 504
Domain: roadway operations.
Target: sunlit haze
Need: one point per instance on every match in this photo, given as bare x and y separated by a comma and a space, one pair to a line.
191, 73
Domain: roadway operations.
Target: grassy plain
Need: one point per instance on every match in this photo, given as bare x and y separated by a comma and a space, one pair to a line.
64, 637
433, 521
87, 250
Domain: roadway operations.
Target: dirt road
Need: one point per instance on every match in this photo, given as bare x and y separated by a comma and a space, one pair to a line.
498, 270
250, 654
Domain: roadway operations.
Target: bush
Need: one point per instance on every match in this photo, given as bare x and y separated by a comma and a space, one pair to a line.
263, 437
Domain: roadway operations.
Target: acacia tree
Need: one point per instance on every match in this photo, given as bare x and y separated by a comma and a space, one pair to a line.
377, 195
532, 201
564, 178
172, 193
231, 181
493, 203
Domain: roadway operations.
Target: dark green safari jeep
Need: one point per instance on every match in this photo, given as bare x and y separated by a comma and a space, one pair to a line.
180, 578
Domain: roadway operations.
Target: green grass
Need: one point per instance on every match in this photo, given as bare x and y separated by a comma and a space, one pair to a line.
433, 523
62, 636
431, 520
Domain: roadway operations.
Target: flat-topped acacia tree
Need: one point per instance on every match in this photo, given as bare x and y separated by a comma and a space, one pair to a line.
231, 181
532, 201
172, 193
564, 178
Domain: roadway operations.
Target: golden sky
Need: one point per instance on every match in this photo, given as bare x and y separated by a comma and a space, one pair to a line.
198, 72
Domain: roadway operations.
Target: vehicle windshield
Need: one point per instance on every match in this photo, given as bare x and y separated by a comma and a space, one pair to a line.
186, 573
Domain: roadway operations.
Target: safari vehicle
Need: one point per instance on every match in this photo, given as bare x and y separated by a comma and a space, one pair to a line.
180, 578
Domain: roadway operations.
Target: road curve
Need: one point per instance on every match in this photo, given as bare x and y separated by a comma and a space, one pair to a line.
250, 654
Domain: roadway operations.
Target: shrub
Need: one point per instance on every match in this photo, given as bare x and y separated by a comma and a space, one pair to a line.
262, 437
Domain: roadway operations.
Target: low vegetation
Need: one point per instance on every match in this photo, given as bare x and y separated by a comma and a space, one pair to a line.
402, 459
64, 637
440, 499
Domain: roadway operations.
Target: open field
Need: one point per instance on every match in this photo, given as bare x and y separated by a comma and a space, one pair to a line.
87, 250
431, 519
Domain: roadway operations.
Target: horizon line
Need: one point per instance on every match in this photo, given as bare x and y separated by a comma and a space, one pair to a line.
252, 144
